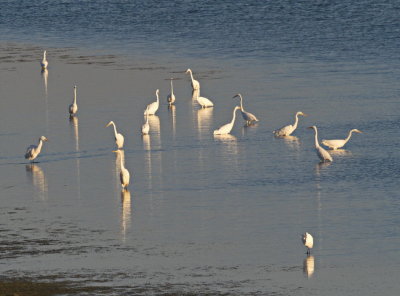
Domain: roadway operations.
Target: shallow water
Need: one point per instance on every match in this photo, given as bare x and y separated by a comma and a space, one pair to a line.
203, 214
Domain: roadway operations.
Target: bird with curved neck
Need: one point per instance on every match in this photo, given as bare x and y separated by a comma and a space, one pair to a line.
195, 83
171, 97
119, 138
289, 129
308, 241
34, 150
124, 175
336, 144
226, 128
44, 63
73, 108
152, 108
247, 116
146, 126
321, 152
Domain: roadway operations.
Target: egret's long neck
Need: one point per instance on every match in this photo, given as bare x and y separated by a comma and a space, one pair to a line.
296, 121
234, 116
115, 129
39, 146
44, 55
158, 99
121, 159
191, 75
74, 95
348, 137
241, 103
316, 137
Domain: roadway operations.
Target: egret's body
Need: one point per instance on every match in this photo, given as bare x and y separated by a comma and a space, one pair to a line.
195, 83
73, 108
321, 152
226, 128
119, 138
124, 175
247, 116
34, 150
171, 97
289, 129
146, 126
336, 144
153, 107
44, 63
308, 241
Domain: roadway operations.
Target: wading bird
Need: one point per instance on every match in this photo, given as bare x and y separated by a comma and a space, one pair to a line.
308, 241
119, 139
247, 116
44, 63
124, 175
152, 108
146, 126
336, 144
289, 129
33, 150
171, 96
73, 108
321, 152
226, 128
195, 83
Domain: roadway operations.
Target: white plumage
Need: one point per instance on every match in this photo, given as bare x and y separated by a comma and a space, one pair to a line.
124, 175
308, 241
44, 63
226, 128
73, 108
195, 83
152, 108
146, 126
321, 152
335, 144
247, 116
34, 150
119, 138
289, 129
171, 97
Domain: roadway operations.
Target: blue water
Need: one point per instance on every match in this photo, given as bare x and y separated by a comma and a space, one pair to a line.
221, 216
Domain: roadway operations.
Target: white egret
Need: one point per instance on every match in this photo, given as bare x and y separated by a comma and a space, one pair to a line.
171, 96
119, 139
308, 241
33, 150
226, 128
146, 126
44, 63
195, 83
152, 108
203, 102
247, 116
289, 129
321, 152
335, 144
124, 175
73, 108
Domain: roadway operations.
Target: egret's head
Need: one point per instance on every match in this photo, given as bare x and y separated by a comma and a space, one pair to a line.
74, 86
110, 123
188, 71
43, 138
357, 131
313, 127
301, 113
237, 96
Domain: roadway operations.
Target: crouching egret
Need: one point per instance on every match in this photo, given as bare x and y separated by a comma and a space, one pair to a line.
153, 107
171, 97
289, 129
73, 108
44, 63
124, 175
34, 150
195, 83
335, 144
226, 128
308, 241
247, 116
119, 139
321, 152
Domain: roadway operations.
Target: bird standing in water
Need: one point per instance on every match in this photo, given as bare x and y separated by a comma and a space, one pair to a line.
34, 150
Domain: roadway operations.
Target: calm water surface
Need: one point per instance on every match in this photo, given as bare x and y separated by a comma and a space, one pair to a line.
202, 214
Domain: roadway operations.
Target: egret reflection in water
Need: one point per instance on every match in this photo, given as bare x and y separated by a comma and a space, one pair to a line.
172, 111
309, 266
45, 76
204, 121
38, 179
125, 212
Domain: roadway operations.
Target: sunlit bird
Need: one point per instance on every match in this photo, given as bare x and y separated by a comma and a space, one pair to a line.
289, 129
73, 108
226, 128
336, 144
247, 116
44, 63
171, 97
152, 108
119, 138
34, 150
146, 125
308, 241
321, 152
124, 175
195, 83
